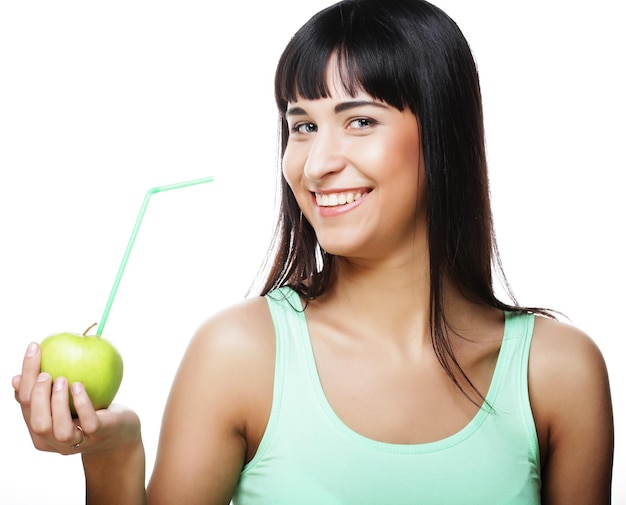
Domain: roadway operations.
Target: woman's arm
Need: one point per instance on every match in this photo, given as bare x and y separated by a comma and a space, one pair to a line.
116, 476
571, 402
217, 408
216, 414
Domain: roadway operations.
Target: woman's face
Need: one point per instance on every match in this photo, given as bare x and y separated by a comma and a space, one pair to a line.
355, 167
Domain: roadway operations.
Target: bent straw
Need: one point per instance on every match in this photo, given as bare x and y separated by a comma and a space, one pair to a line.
131, 241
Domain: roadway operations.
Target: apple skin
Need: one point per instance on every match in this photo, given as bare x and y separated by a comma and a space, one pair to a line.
88, 359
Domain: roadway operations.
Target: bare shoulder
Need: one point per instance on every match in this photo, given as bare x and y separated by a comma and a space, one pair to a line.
565, 365
245, 327
571, 403
236, 348
564, 355
222, 396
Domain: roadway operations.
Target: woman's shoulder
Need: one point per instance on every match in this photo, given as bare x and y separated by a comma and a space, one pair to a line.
560, 348
564, 360
222, 395
569, 388
233, 348
243, 327
229, 363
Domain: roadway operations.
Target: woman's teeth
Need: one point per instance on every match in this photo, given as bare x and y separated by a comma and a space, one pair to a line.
335, 199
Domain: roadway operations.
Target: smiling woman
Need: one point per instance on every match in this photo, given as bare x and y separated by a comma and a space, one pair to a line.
361, 160
377, 365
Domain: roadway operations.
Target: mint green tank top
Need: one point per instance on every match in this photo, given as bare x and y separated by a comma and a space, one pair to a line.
308, 456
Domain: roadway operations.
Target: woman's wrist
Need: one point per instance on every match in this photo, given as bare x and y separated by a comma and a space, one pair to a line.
117, 475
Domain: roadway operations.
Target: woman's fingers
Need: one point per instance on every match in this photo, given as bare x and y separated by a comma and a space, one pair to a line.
89, 419
63, 427
15, 382
38, 413
30, 373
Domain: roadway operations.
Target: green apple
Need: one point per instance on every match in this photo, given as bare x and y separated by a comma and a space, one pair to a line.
88, 359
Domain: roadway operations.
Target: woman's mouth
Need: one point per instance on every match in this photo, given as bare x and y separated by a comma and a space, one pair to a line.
340, 198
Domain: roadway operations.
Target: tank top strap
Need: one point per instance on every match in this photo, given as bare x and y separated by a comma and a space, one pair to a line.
509, 387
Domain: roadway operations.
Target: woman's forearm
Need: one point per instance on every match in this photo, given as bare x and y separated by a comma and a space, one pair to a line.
117, 477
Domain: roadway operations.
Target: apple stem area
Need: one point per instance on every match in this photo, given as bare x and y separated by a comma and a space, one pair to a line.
85, 333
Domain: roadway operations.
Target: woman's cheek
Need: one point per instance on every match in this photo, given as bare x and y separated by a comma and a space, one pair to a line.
293, 165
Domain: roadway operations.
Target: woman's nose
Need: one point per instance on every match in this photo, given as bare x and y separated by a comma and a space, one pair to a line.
325, 156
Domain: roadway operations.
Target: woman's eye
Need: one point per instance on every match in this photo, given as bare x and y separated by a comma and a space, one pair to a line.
361, 122
304, 128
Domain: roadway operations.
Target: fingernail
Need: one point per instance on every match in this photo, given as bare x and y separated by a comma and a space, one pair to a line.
43, 376
31, 351
59, 383
77, 387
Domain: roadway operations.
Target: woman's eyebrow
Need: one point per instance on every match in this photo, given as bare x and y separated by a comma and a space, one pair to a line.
357, 103
341, 107
295, 111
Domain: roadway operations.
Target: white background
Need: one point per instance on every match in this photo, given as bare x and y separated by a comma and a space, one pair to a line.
101, 101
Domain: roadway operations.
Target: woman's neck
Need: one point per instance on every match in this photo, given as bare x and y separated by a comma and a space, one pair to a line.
391, 298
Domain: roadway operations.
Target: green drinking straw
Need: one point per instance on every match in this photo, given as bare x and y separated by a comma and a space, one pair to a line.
133, 236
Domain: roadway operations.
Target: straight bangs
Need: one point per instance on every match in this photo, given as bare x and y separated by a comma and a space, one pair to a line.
369, 57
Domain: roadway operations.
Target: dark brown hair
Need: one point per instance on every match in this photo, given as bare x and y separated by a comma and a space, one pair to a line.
409, 54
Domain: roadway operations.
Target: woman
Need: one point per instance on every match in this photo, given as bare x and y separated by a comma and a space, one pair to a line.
378, 366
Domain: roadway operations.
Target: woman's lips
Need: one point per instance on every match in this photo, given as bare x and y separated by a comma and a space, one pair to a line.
339, 198
335, 203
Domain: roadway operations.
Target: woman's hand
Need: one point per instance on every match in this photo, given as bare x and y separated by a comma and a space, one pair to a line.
45, 407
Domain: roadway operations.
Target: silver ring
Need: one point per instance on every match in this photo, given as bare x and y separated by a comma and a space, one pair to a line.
82, 437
